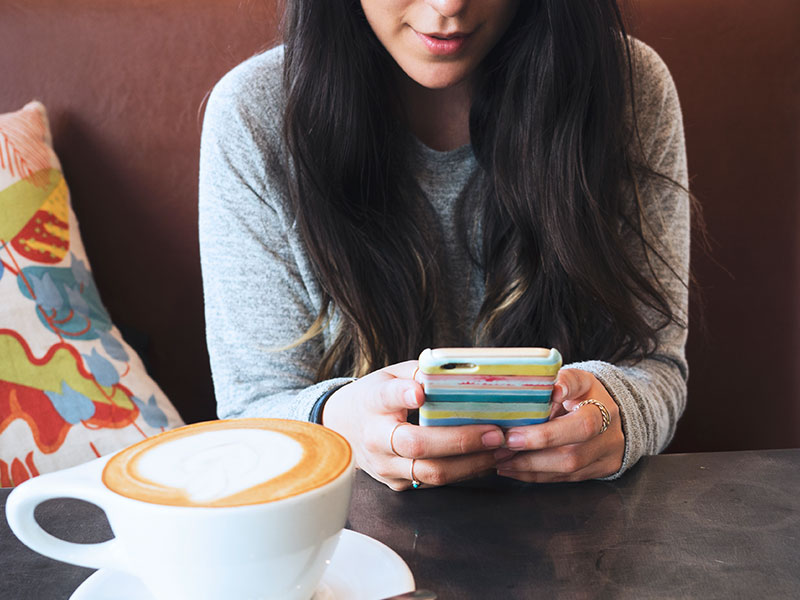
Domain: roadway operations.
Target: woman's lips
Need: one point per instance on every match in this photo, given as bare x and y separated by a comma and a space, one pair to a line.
443, 46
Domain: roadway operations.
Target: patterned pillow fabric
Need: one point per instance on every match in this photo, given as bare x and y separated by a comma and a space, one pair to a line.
71, 389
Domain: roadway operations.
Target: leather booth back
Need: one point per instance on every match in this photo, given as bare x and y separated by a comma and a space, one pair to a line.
736, 65
124, 82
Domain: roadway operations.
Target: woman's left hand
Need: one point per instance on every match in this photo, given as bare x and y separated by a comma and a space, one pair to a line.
570, 446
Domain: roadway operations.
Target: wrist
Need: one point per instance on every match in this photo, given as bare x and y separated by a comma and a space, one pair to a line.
317, 414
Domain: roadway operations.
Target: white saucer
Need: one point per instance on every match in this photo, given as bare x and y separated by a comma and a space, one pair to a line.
361, 569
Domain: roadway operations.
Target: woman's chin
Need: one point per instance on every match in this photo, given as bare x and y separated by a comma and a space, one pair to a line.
437, 79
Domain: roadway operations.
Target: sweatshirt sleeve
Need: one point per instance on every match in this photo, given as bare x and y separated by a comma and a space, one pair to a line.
258, 295
651, 394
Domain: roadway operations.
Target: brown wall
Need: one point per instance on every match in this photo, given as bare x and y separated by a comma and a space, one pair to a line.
736, 64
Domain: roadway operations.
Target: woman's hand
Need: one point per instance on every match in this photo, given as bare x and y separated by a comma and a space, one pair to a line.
570, 446
372, 412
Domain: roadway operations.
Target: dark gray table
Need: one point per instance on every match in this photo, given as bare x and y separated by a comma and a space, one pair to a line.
721, 525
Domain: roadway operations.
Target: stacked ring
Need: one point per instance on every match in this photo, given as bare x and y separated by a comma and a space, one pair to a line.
603, 412
415, 483
391, 436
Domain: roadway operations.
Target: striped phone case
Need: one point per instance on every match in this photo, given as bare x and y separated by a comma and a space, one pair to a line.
505, 386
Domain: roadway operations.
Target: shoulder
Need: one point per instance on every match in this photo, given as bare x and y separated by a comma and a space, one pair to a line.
660, 147
242, 143
250, 94
649, 68
655, 93
243, 121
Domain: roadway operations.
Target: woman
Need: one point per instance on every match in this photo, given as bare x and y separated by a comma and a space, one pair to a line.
414, 173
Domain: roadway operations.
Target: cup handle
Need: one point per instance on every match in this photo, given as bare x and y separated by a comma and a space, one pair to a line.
71, 483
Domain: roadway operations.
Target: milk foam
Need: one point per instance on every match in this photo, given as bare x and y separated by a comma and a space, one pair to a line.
215, 464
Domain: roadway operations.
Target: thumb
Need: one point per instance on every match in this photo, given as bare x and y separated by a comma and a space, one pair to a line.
396, 394
570, 387
403, 370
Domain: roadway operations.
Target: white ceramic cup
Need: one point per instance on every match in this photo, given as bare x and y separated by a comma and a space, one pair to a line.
274, 544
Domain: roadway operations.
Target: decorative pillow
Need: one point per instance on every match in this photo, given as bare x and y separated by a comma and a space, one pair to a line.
71, 389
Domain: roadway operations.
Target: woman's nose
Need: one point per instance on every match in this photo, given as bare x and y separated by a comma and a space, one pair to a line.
448, 8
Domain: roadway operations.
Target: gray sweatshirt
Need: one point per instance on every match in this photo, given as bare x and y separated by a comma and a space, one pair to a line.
261, 294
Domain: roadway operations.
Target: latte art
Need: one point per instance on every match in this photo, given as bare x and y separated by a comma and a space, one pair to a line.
217, 464
229, 463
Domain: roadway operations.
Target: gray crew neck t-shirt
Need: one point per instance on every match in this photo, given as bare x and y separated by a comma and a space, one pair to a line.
261, 295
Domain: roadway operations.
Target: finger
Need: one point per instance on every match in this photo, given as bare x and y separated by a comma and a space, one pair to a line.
393, 434
578, 426
557, 410
599, 468
607, 447
564, 459
398, 484
441, 471
416, 441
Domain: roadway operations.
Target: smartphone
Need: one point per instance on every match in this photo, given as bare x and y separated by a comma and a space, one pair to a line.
505, 386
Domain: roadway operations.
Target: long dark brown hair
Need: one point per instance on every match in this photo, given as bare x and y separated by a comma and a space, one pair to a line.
554, 147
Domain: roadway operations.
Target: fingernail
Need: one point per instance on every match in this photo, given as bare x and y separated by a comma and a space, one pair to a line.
564, 389
515, 440
503, 453
410, 398
570, 405
492, 439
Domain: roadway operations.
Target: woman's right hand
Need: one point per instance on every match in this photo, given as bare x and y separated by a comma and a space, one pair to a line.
372, 414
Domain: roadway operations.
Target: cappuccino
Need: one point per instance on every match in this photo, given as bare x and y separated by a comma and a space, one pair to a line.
246, 508
229, 463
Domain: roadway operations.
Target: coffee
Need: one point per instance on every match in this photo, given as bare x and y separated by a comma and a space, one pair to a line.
229, 463
283, 491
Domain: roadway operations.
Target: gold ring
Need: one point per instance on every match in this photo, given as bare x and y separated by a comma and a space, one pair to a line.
415, 483
391, 437
603, 411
